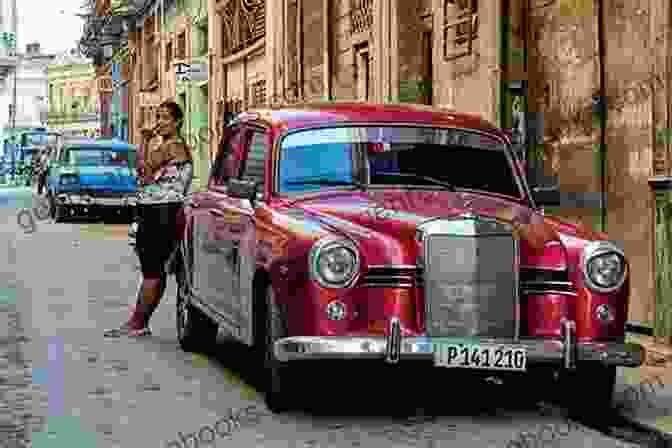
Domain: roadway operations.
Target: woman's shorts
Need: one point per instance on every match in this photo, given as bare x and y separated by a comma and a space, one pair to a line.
157, 236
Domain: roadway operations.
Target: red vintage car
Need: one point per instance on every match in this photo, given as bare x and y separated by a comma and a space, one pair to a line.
396, 232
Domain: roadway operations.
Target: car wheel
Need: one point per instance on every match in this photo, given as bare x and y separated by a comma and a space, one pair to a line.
593, 381
60, 212
42, 211
196, 332
271, 320
52, 206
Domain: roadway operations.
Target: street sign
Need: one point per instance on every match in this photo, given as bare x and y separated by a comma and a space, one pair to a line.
191, 72
198, 72
182, 71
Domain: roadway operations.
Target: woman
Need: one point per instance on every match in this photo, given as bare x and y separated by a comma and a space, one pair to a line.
164, 178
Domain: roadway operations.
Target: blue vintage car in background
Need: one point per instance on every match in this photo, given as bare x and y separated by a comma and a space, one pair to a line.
90, 177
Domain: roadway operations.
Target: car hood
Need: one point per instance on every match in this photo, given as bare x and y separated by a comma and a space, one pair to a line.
396, 215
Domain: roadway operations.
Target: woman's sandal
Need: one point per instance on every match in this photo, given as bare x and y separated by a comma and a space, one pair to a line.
126, 330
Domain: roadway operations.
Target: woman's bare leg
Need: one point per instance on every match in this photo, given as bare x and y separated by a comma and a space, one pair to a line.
150, 292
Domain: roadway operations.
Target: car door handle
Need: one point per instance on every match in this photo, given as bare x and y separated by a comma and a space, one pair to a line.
216, 212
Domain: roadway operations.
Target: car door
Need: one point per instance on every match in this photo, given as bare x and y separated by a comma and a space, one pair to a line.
239, 214
234, 237
212, 251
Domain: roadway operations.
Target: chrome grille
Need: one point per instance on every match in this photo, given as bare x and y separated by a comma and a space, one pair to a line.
471, 283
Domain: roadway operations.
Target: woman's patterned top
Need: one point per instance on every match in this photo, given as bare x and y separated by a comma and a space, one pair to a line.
167, 175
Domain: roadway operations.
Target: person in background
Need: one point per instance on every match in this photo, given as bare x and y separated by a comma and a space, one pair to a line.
43, 170
165, 176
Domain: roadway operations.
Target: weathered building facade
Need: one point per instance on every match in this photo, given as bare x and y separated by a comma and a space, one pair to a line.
72, 93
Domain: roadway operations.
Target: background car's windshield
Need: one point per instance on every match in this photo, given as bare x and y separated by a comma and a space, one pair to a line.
314, 159
40, 139
93, 157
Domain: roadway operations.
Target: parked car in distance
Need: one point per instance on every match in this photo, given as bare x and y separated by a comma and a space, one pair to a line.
90, 177
397, 232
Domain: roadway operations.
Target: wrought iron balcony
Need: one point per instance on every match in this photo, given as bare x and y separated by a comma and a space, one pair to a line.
361, 15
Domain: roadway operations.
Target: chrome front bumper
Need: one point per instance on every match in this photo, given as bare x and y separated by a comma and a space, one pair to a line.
565, 352
92, 201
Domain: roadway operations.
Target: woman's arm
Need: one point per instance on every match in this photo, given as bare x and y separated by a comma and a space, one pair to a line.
164, 153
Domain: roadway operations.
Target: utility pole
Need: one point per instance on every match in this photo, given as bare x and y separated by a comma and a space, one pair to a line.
15, 26
16, 72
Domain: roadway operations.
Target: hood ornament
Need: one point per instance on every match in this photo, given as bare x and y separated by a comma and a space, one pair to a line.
467, 204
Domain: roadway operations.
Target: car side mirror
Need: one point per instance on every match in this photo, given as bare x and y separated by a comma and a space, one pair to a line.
546, 196
242, 189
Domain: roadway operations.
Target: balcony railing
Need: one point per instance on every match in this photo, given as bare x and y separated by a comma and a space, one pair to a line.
73, 116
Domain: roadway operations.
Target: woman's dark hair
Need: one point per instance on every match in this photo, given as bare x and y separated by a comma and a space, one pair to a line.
175, 112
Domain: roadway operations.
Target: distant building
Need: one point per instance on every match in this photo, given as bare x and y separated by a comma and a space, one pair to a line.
31, 90
72, 94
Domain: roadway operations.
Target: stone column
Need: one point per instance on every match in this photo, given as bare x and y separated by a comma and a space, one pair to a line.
662, 189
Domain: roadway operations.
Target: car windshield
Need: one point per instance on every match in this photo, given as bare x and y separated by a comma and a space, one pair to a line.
40, 139
411, 157
94, 157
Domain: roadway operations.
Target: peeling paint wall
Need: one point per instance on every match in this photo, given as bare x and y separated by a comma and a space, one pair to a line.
343, 58
631, 122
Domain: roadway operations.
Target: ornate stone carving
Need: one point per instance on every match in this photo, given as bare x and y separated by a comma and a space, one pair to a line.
361, 15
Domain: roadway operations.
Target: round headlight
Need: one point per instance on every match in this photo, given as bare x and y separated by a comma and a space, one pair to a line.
334, 263
604, 266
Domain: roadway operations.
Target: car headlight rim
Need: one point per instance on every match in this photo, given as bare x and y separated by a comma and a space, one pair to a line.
600, 250
328, 247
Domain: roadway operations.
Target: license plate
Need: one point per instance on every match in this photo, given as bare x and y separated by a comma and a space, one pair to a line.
491, 357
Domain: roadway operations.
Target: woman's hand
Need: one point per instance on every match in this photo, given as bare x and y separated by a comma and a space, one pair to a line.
147, 133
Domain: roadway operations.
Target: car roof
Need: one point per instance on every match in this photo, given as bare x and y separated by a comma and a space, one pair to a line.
99, 143
311, 114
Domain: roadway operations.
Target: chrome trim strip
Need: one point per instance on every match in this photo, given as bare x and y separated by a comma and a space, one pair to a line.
544, 268
386, 285
393, 344
383, 277
548, 291
392, 266
541, 284
570, 349
425, 256
538, 350
516, 286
